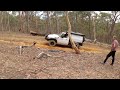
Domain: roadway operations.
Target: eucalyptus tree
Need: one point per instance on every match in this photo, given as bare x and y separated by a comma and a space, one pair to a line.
113, 19
69, 34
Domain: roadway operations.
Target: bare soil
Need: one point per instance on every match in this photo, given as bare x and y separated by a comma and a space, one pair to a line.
87, 65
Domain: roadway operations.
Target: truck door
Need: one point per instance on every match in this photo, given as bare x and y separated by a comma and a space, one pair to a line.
63, 40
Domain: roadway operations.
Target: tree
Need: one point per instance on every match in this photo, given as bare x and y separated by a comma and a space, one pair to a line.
21, 20
48, 22
8, 22
94, 30
36, 21
27, 19
89, 17
113, 18
1, 21
69, 34
103, 24
57, 21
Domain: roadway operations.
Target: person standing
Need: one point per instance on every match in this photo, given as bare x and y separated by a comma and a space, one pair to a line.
114, 46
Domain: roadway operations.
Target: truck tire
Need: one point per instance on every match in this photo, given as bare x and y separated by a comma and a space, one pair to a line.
77, 45
52, 42
81, 44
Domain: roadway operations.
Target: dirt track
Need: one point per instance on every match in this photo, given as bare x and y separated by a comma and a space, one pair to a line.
69, 65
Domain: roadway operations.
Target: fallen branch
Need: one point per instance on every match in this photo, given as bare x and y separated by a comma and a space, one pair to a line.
20, 50
45, 55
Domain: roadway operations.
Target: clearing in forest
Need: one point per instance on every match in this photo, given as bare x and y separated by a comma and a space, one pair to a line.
68, 65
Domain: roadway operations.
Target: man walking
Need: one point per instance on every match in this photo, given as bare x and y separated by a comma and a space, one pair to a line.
114, 46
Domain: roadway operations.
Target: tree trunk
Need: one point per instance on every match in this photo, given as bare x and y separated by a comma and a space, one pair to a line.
74, 18
94, 31
8, 24
110, 32
48, 23
21, 20
76, 25
112, 29
89, 27
5, 21
36, 22
27, 16
57, 23
69, 34
1, 21
20, 27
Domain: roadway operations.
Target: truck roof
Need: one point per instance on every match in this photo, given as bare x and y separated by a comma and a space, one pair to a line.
77, 33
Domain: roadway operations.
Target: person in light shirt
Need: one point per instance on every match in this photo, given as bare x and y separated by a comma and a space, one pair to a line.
114, 47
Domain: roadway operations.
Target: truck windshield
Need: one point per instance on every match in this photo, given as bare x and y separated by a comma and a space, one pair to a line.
64, 35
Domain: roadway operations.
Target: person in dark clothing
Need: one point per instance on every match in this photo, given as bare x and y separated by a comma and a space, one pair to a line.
114, 46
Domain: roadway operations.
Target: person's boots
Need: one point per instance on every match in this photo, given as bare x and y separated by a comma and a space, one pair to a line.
112, 62
105, 61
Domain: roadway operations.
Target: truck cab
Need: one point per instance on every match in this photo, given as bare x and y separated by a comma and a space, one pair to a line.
63, 39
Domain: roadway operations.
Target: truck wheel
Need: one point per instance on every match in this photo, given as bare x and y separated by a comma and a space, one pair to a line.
52, 42
77, 45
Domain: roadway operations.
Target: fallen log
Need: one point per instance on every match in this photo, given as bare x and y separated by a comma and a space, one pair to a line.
42, 54
33, 33
21, 47
20, 50
45, 55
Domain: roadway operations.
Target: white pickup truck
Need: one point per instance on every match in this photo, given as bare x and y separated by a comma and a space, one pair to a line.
63, 39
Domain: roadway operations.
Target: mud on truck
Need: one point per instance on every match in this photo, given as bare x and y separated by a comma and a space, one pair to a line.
63, 39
